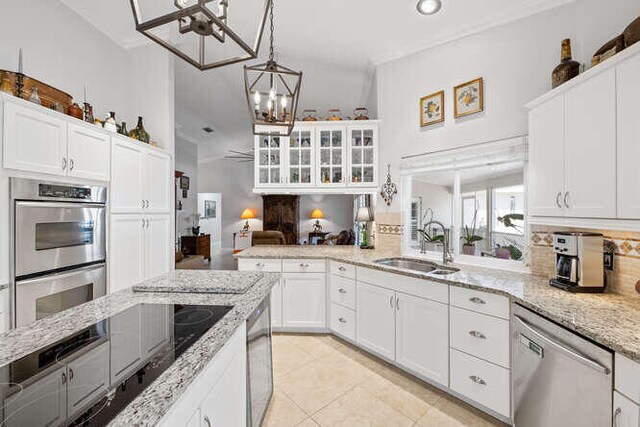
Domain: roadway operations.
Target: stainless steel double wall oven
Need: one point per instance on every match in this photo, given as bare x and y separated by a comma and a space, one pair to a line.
58, 247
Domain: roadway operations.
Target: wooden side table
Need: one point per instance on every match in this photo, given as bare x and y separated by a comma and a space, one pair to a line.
198, 245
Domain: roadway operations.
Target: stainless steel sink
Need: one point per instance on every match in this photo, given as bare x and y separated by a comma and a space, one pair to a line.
416, 265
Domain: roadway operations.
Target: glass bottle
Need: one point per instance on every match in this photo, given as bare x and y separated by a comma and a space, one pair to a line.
139, 132
567, 69
123, 129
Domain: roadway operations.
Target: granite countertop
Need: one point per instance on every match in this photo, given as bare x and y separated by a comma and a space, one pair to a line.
609, 319
201, 281
156, 400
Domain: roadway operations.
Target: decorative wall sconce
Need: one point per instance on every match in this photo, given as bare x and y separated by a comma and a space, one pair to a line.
389, 189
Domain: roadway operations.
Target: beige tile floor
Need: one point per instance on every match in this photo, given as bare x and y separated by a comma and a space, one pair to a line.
321, 380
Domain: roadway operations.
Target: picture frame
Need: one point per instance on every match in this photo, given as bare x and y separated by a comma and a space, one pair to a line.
432, 109
210, 209
468, 98
184, 182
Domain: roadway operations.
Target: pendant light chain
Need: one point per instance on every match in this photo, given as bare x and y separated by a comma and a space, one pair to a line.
271, 55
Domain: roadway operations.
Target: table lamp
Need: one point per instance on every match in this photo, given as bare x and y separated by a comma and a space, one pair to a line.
364, 215
317, 215
247, 214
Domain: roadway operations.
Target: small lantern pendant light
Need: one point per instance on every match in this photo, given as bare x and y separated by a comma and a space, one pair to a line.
272, 92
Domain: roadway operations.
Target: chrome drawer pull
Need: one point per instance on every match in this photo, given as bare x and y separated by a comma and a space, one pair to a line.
259, 265
342, 291
477, 380
477, 334
207, 421
558, 200
341, 320
477, 300
64, 378
304, 265
342, 269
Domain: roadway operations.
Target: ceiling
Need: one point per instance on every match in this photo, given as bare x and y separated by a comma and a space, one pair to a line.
336, 43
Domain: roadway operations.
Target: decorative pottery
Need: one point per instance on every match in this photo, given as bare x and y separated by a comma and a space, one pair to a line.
110, 122
310, 116
35, 96
123, 129
469, 249
632, 33
608, 50
48, 94
567, 69
139, 132
57, 107
334, 115
75, 111
503, 253
88, 113
361, 113
5, 85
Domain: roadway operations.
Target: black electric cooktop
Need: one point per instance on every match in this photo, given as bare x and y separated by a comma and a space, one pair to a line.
86, 379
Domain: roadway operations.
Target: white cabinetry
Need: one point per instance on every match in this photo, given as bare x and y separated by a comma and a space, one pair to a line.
626, 398
304, 301
626, 413
628, 138
158, 247
43, 141
140, 179
376, 317
272, 266
319, 157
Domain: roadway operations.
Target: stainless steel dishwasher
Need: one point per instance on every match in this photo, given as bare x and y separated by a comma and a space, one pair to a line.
558, 377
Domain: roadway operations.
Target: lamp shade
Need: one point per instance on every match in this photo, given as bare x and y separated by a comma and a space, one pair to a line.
247, 214
364, 214
317, 214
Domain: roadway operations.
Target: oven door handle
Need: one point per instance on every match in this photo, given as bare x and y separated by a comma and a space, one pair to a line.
62, 274
563, 349
64, 205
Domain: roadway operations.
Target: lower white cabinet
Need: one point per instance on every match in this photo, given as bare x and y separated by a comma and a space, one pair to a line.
626, 413
304, 301
342, 321
218, 395
375, 320
422, 342
139, 249
271, 266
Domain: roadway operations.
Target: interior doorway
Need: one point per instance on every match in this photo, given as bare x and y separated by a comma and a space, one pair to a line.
210, 210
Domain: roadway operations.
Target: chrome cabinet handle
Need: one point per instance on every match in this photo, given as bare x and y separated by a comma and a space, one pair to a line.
398, 304
259, 265
342, 291
477, 300
64, 163
72, 165
304, 265
70, 374
147, 203
342, 269
558, 199
391, 301
477, 380
142, 204
616, 417
566, 200
341, 320
477, 334
64, 378
207, 421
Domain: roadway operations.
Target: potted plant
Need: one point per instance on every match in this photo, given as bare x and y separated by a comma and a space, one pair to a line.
510, 251
470, 237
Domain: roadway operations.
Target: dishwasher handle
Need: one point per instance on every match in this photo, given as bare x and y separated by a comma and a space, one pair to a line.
566, 350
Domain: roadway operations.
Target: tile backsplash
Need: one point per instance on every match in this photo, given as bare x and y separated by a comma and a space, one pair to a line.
625, 246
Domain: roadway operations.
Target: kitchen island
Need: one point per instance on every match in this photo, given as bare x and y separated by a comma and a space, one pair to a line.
162, 381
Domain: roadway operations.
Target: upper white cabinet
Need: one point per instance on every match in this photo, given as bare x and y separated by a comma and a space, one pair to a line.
42, 141
628, 139
318, 157
140, 179
583, 142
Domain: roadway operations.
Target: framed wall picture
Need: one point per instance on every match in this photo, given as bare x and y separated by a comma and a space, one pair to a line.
468, 98
184, 182
432, 109
210, 209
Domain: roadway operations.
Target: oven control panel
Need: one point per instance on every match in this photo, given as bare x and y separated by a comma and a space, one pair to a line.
63, 191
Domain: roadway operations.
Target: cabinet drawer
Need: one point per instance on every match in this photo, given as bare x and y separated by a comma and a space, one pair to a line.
480, 381
625, 412
343, 321
342, 269
304, 265
343, 291
482, 336
627, 377
256, 264
481, 302
409, 285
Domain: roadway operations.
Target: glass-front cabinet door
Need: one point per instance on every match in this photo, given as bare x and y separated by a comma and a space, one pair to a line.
300, 157
363, 150
269, 161
331, 156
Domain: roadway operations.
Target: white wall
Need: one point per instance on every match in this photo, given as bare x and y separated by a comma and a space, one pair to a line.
438, 198
235, 182
187, 162
515, 60
337, 209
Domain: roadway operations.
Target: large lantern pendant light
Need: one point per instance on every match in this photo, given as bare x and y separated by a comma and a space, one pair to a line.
272, 92
200, 31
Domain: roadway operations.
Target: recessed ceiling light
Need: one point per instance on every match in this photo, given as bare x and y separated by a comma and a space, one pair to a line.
428, 7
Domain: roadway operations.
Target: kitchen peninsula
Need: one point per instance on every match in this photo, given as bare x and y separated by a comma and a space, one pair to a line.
177, 346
